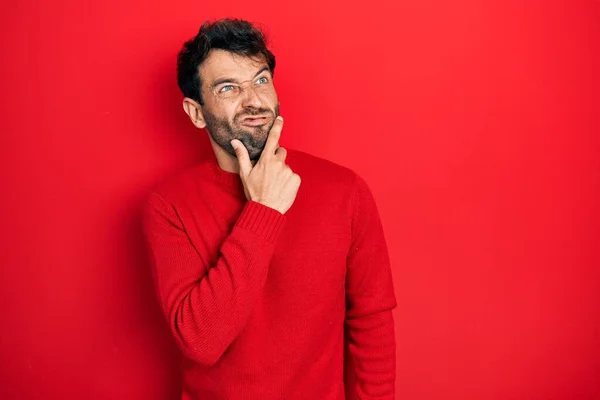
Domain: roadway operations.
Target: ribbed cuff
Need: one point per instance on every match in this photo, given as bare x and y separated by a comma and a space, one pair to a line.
262, 220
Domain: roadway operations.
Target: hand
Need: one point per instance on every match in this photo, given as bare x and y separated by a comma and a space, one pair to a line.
271, 181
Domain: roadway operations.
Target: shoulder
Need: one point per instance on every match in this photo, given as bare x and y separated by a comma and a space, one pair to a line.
330, 179
178, 186
319, 170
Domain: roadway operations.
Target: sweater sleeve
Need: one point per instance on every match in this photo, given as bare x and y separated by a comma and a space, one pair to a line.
370, 299
207, 306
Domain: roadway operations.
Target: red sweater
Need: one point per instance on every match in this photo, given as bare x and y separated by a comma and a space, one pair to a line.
267, 305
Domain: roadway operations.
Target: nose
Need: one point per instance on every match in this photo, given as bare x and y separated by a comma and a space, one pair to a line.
251, 97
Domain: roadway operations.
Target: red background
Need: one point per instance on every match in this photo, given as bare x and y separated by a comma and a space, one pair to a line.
474, 122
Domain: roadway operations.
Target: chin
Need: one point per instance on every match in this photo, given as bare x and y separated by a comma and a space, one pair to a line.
253, 154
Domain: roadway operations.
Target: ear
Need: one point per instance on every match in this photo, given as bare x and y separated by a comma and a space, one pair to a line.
194, 110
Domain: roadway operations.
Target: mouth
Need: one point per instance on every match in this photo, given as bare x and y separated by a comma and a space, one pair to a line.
255, 120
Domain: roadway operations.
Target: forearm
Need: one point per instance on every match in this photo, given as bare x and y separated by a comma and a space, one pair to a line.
208, 317
372, 346
207, 306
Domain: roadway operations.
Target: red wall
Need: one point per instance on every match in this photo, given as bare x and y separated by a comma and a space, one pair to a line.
475, 123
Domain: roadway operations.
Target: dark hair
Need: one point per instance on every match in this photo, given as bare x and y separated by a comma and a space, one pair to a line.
234, 35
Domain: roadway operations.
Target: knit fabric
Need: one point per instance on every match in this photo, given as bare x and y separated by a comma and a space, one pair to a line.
265, 305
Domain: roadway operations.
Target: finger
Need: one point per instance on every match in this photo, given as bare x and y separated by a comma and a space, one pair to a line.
242, 156
273, 138
287, 172
297, 180
281, 153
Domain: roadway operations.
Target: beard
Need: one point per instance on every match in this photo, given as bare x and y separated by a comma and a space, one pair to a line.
253, 138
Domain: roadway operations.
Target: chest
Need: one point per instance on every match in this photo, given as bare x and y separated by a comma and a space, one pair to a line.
308, 265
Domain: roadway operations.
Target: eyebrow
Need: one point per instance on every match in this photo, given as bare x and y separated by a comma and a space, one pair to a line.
231, 80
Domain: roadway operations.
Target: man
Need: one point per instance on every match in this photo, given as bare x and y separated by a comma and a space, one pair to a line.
267, 280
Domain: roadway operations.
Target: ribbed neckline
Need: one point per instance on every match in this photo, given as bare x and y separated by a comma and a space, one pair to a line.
227, 180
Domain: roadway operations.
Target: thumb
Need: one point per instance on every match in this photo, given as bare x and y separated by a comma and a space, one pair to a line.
242, 156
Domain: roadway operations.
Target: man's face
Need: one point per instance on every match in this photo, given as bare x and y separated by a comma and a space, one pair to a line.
240, 101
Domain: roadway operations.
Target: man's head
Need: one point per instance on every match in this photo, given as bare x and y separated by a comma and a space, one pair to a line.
226, 75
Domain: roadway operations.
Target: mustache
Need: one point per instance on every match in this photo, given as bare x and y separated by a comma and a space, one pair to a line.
252, 112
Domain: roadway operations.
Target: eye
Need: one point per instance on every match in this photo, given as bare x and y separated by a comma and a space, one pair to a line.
226, 88
262, 80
